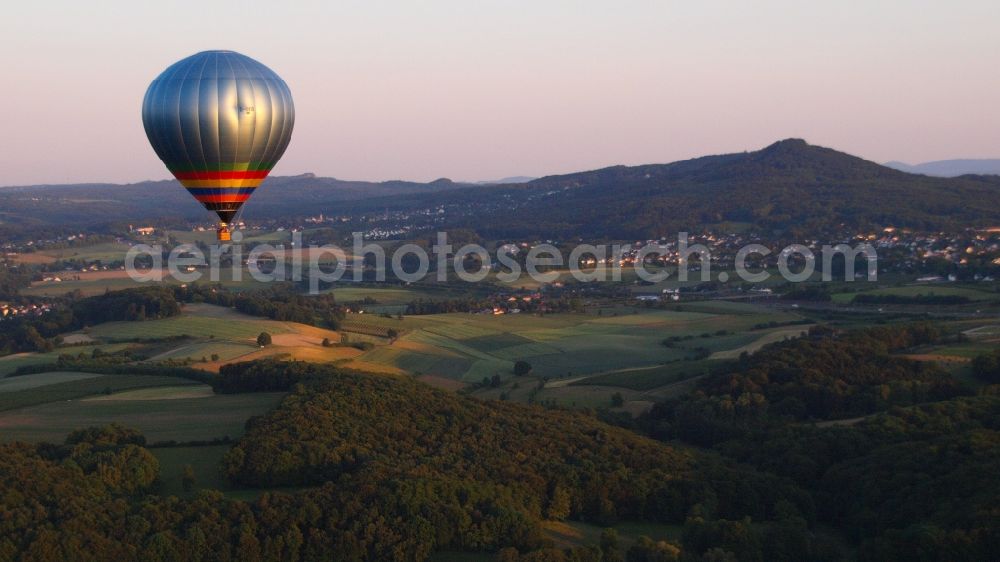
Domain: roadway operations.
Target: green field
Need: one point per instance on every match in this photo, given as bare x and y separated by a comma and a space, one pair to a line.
374, 324
26, 382
87, 287
200, 332
982, 332
158, 393
383, 295
759, 341
721, 307
104, 252
621, 346
652, 377
694, 279
973, 293
388, 300
227, 351
469, 347
181, 419
584, 360
233, 329
98, 283
597, 397
65, 387
11, 363
968, 350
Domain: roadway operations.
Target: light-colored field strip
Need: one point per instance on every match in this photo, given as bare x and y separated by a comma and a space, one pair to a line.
566, 382
983, 332
158, 393
77, 338
205, 418
845, 423
770, 337
25, 382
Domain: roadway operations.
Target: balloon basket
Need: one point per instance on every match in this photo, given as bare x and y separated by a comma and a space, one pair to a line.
224, 234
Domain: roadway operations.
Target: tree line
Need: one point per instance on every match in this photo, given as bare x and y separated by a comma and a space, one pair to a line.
394, 470
278, 301
895, 454
35, 333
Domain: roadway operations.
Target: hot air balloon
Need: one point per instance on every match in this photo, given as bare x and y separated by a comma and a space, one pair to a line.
220, 121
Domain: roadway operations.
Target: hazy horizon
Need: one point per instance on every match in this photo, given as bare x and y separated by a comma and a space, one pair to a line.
476, 91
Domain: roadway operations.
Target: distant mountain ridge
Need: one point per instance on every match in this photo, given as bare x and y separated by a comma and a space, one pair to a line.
788, 188
95, 203
510, 179
950, 168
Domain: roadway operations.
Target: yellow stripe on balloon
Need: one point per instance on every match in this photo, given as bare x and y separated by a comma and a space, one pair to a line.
234, 184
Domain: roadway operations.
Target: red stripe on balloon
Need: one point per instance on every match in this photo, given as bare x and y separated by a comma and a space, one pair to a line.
222, 198
250, 175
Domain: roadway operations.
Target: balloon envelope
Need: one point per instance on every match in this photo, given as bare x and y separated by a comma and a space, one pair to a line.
220, 121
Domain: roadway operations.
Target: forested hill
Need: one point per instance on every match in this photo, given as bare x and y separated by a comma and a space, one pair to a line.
789, 185
388, 468
790, 188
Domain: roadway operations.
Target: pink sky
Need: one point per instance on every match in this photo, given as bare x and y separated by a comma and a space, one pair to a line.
476, 90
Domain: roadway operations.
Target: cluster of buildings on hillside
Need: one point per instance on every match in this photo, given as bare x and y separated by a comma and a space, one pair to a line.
13, 248
8, 310
896, 247
904, 248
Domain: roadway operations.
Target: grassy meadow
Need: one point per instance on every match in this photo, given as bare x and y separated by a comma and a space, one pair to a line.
43, 388
615, 349
577, 359
976, 293
204, 417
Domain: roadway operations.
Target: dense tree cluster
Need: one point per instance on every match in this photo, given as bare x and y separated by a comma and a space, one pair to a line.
12, 280
263, 339
473, 304
116, 364
278, 301
943, 488
549, 464
986, 367
397, 470
143, 303
426, 306
266, 375
808, 292
33, 333
912, 482
908, 484
56, 499
88, 500
396, 426
823, 377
